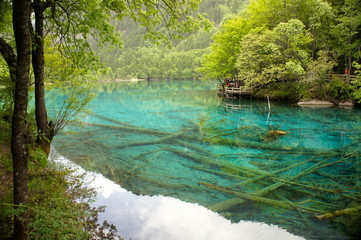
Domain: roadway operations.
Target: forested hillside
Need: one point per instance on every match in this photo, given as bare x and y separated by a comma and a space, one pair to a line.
274, 45
144, 59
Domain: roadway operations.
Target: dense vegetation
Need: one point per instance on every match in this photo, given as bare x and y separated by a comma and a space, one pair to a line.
290, 43
143, 59
59, 204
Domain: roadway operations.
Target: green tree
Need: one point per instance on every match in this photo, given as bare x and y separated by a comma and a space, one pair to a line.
347, 33
6, 38
316, 15
220, 62
280, 54
132, 33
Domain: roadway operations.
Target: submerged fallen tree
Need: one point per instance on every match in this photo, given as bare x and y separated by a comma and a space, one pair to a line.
192, 134
292, 178
346, 211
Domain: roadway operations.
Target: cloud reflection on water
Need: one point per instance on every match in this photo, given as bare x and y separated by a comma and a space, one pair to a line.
165, 218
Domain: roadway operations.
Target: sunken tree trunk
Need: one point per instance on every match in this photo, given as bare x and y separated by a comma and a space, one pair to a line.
45, 130
20, 133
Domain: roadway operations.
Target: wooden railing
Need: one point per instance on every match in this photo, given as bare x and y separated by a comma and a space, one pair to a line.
242, 91
347, 78
239, 90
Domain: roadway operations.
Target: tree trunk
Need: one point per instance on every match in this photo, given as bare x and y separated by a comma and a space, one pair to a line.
45, 131
20, 134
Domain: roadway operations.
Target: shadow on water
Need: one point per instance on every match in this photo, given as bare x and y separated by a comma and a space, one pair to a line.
295, 168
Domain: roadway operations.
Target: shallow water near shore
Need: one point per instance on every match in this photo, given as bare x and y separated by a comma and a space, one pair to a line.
161, 218
179, 147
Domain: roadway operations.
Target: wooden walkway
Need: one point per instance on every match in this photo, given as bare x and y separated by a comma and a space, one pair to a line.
237, 92
347, 78
232, 92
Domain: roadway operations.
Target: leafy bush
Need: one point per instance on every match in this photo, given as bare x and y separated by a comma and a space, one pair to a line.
274, 55
59, 205
340, 90
357, 84
279, 91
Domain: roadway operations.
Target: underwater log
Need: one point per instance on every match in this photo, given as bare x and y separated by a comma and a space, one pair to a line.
255, 198
151, 141
337, 213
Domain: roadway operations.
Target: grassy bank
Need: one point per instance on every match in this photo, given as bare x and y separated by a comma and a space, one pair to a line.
59, 201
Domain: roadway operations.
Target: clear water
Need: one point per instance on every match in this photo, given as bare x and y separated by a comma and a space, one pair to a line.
281, 166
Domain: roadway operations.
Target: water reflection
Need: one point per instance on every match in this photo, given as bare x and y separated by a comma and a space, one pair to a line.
165, 218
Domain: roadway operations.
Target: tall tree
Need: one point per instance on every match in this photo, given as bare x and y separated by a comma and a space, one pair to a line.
71, 23
281, 54
316, 15
83, 19
45, 129
347, 33
20, 132
220, 62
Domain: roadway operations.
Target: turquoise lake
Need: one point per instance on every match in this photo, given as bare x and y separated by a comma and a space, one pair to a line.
239, 161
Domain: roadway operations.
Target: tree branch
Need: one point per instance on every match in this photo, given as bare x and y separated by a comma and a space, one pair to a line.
10, 57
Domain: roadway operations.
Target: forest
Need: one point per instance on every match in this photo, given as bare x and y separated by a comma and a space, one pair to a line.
270, 44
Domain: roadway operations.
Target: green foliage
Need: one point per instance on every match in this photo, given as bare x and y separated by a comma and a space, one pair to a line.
59, 199
266, 15
6, 196
5, 17
262, 14
60, 68
356, 84
216, 9
38, 157
155, 63
74, 98
317, 85
314, 85
5, 105
280, 91
274, 55
346, 32
59, 205
340, 90
289, 40
306, 91
5, 88
133, 61
68, 79
318, 69
220, 62
94, 19
269, 13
